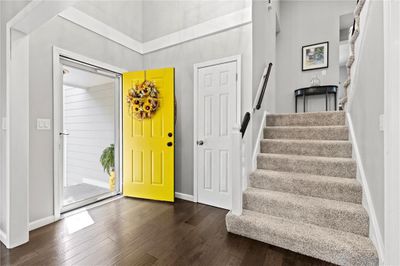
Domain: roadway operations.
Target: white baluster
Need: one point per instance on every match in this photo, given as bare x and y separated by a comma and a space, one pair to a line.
236, 171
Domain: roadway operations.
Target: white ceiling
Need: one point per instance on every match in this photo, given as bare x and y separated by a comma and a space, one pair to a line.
84, 79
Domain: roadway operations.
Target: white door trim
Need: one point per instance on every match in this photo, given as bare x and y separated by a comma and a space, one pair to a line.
391, 20
57, 96
238, 60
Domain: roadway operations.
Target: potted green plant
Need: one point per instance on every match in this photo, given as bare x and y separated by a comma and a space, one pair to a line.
107, 161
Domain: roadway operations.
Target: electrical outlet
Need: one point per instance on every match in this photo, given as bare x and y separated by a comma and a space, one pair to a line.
43, 124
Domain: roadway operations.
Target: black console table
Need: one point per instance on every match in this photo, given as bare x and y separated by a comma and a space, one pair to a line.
316, 90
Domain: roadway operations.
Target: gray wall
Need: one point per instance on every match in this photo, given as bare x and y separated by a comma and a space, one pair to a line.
304, 23
69, 36
183, 57
264, 52
124, 16
8, 9
367, 105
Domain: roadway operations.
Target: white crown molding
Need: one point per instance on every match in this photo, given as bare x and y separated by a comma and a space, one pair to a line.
82, 19
219, 24
374, 231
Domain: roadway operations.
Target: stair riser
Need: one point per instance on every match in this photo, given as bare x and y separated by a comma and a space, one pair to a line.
307, 119
324, 251
331, 133
347, 169
353, 222
338, 149
334, 191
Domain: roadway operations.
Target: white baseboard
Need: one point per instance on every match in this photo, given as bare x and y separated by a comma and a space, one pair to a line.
41, 222
375, 233
183, 196
3, 237
96, 183
260, 136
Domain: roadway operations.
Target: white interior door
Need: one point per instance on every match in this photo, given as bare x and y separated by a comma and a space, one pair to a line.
217, 104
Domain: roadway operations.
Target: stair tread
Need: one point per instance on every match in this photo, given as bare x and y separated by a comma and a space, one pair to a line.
328, 187
321, 118
314, 132
322, 141
310, 177
308, 201
306, 157
302, 127
324, 243
308, 113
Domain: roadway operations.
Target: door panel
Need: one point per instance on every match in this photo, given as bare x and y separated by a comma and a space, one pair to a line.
148, 170
216, 114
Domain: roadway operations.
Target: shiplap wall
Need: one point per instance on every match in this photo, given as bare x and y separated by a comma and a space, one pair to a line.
89, 120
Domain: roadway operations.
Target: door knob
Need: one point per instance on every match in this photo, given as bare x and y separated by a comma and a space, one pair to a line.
64, 134
200, 142
169, 144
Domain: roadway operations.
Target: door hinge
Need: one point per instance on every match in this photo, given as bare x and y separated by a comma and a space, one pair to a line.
237, 76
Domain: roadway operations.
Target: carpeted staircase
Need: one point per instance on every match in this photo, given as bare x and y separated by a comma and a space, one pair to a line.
304, 195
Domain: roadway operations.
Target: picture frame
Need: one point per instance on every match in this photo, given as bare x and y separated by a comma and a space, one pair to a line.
315, 56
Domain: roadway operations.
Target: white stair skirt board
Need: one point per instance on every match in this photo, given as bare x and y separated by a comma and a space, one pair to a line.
258, 142
41, 222
304, 195
374, 231
184, 196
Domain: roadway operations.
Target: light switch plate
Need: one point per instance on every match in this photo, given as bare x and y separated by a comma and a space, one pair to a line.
43, 124
323, 72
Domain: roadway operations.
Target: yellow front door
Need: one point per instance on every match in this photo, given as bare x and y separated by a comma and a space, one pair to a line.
148, 144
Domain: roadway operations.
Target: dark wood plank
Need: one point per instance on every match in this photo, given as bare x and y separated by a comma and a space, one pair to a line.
140, 232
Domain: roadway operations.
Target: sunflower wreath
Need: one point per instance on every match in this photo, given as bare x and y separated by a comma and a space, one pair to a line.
143, 100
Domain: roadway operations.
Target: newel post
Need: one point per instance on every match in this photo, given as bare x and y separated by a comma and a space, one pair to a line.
236, 171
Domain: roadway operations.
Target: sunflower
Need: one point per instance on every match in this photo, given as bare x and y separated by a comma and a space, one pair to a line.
147, 107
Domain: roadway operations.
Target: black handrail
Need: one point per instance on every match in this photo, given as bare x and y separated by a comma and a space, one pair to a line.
246, 118
245, 123
266, 78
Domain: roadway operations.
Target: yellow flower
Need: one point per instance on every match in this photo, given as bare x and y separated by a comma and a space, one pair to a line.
147, 107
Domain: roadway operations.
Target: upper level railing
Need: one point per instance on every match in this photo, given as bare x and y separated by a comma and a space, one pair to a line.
247, 115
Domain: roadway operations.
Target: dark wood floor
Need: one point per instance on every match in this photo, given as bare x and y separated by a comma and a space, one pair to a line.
140, 232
